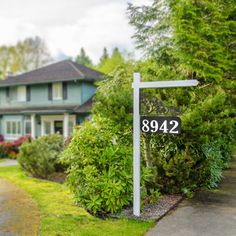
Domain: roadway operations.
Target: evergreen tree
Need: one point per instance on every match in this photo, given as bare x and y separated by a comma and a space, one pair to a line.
83, 58
195, 40
153, 30
111, 63
104, 56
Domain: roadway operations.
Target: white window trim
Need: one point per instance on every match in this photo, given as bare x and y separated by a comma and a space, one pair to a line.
51, 119
21, 93
57, 87
11, 136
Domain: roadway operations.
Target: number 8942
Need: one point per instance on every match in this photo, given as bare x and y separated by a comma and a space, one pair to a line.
163, 125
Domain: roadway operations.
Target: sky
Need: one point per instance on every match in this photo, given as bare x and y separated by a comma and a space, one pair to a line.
68, 25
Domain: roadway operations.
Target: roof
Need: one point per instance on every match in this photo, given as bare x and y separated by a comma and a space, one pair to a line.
48, 109
61, 71
83, 109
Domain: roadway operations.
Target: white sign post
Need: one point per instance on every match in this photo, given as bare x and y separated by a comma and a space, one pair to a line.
137, 85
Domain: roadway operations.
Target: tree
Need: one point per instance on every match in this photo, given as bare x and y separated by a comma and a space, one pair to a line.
104, 56
113, 103
83, 59
153, 30
26, 55
111, 63
191, 39
5, 61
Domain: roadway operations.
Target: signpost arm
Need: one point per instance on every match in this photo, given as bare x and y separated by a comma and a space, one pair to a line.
136, 146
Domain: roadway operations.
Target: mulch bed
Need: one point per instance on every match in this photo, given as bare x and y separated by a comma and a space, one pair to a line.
58, 177
155, 211
149, 212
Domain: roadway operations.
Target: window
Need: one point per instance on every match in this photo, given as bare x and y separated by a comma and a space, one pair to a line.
57, 91
21, 93
13, 128
11, 94
27, 127
47, 127
8, 131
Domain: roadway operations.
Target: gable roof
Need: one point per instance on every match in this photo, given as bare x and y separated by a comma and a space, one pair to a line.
60, 71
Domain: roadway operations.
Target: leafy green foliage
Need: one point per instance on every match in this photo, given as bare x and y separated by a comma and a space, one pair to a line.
104, 56
40, 157
108, 64
184, 166
26, 55
3, 151
100, 172
191, 40
182, 41
114, 103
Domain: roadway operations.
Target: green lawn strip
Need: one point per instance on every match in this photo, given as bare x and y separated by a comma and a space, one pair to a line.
2, 160
59, 215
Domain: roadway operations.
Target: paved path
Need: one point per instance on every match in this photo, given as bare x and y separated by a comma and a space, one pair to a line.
19, 215
207, 214
8, 162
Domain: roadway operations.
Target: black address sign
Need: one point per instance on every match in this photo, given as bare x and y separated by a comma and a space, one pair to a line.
160, 124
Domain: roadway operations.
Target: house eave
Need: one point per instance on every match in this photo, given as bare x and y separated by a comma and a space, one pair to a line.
11, 84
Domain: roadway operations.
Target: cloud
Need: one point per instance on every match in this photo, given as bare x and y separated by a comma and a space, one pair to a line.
93, 32
66, 26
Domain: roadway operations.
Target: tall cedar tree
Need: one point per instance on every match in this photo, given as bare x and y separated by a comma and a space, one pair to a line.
191, 39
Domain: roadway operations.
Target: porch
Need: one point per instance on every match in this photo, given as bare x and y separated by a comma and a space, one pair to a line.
14, 126
50, 124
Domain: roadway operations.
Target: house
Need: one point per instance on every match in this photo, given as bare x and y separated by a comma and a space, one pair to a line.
48, 100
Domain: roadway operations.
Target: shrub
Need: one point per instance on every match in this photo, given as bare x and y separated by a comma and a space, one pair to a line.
100, 172
184, 167
40, 158
7, 149
1, 138
17, 143
11, 149
3, 151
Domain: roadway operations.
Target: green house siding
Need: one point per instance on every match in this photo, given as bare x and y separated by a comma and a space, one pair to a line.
39, 95
77, 94
88, 90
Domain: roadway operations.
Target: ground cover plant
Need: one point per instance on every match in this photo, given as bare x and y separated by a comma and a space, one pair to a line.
59, 214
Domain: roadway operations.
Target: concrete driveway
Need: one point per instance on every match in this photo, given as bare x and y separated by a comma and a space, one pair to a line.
8, 162
209, 213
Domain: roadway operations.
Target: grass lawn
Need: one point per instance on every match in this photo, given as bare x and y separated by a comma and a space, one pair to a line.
59, 215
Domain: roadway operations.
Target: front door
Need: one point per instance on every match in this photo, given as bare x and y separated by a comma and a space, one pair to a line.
58, 126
